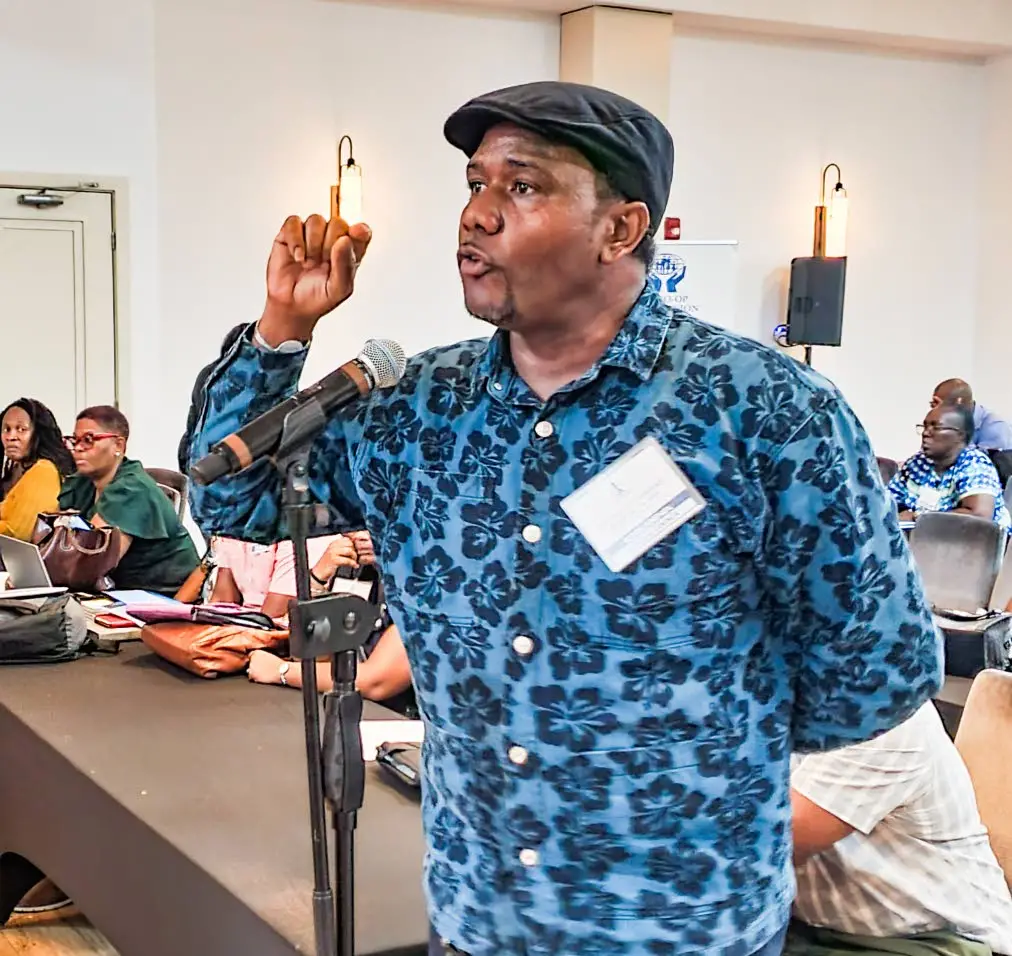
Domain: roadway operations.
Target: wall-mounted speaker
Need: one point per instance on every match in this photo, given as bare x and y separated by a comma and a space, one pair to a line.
815, 301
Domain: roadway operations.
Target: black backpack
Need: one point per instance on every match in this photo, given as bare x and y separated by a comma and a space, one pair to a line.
43, 632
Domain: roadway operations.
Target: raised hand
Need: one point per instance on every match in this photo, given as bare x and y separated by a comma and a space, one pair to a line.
311, 270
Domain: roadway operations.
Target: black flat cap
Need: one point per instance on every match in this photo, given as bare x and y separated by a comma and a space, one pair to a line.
626, 143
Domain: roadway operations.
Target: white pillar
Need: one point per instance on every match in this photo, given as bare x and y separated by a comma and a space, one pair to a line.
625, 51
992, 381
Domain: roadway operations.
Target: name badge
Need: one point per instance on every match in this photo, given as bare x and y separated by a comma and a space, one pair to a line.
928, 499
634, 503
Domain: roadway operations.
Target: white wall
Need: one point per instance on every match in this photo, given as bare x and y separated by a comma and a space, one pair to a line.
78, 83
245, 144
754, 124
223, 117
992, 378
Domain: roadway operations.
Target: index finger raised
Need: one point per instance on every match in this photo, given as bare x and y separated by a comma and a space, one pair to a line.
293, 236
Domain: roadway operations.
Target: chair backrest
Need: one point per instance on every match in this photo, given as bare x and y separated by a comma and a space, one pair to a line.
984, 740
887, 467
1002, 461
959, 557
1001, 596
174, 485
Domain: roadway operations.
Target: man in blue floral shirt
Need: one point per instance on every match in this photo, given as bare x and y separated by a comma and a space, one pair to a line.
613, 665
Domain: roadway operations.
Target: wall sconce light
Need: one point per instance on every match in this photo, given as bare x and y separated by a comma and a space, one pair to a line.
831, 219
346, 196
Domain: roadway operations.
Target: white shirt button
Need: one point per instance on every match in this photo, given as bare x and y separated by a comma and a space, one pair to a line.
497, 386
523, 645
544, 429
532, 534
517, 755
529, 857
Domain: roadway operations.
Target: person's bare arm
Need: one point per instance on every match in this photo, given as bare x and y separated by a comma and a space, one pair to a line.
386, 671
275, 605
124, 539
384, 674
815, 829
226, 591
980, 506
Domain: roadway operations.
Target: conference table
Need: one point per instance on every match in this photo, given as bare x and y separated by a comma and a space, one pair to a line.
174, 811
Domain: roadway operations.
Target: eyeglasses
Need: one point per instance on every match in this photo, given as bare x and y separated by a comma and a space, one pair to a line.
931, 429
87, 440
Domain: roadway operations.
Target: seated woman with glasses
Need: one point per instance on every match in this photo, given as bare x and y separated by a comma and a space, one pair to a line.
111, 490
948, 473
35, 462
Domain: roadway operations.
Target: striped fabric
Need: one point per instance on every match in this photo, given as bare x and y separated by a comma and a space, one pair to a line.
920, 859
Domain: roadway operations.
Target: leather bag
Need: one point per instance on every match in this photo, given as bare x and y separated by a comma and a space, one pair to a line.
76, 558
210, 650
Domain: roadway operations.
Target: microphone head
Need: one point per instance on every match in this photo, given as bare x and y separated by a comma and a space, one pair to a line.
384, 360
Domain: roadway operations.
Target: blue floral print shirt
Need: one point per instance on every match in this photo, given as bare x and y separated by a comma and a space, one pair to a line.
607, 754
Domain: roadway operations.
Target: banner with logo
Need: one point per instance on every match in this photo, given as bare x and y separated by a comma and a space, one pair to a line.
699, 278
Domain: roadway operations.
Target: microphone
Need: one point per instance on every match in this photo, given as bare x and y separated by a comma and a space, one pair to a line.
380, 364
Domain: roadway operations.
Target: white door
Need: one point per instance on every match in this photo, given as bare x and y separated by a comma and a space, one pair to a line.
57, 313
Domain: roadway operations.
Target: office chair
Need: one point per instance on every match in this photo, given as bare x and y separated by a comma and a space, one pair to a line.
959, 557
887, 468
174, 485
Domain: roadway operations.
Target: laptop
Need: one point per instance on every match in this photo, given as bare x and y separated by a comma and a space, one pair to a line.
26, 571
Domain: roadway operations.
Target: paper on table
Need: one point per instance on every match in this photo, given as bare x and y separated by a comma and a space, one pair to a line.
376, 732
141, 598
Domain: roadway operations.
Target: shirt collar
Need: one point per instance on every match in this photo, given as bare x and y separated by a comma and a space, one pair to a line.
636, 347
929, 469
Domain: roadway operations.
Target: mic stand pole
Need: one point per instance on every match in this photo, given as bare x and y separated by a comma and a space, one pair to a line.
335, 626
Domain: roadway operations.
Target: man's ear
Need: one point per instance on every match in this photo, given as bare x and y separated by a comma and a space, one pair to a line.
628, 223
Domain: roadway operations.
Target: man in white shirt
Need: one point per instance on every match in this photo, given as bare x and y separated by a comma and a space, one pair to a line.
890, 851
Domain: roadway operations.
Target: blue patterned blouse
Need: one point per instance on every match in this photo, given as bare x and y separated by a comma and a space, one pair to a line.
918, 487
606, 754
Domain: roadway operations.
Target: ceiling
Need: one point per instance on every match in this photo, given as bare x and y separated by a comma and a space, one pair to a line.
974, 29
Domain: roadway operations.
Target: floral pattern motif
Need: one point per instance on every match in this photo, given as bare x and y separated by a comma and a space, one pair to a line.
607, 754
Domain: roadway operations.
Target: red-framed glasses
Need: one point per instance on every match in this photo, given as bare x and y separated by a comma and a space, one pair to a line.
87, 440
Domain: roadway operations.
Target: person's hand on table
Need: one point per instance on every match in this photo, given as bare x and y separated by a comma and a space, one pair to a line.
311, 271
264, 668
908, 516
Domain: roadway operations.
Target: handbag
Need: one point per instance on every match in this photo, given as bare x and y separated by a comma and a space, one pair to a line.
76, 558
209, 650
43, 633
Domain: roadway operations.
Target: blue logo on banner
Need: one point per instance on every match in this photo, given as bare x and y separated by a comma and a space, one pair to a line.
668, 271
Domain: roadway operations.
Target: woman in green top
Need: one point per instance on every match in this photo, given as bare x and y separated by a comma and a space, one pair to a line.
111, 490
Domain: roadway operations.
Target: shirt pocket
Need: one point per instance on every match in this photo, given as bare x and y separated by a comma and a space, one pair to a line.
447, 524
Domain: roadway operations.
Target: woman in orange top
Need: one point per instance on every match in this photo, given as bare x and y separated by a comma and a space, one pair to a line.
35, 463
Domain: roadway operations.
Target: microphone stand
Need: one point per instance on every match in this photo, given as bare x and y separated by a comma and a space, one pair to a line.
334, 626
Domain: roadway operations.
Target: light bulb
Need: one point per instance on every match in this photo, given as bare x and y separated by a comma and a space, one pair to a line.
836, 223
350, 197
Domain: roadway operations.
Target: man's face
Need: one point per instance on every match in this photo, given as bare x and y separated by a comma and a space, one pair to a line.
532, 230
943, 434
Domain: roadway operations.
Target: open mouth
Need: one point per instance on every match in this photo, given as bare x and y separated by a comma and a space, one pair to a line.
472, 263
